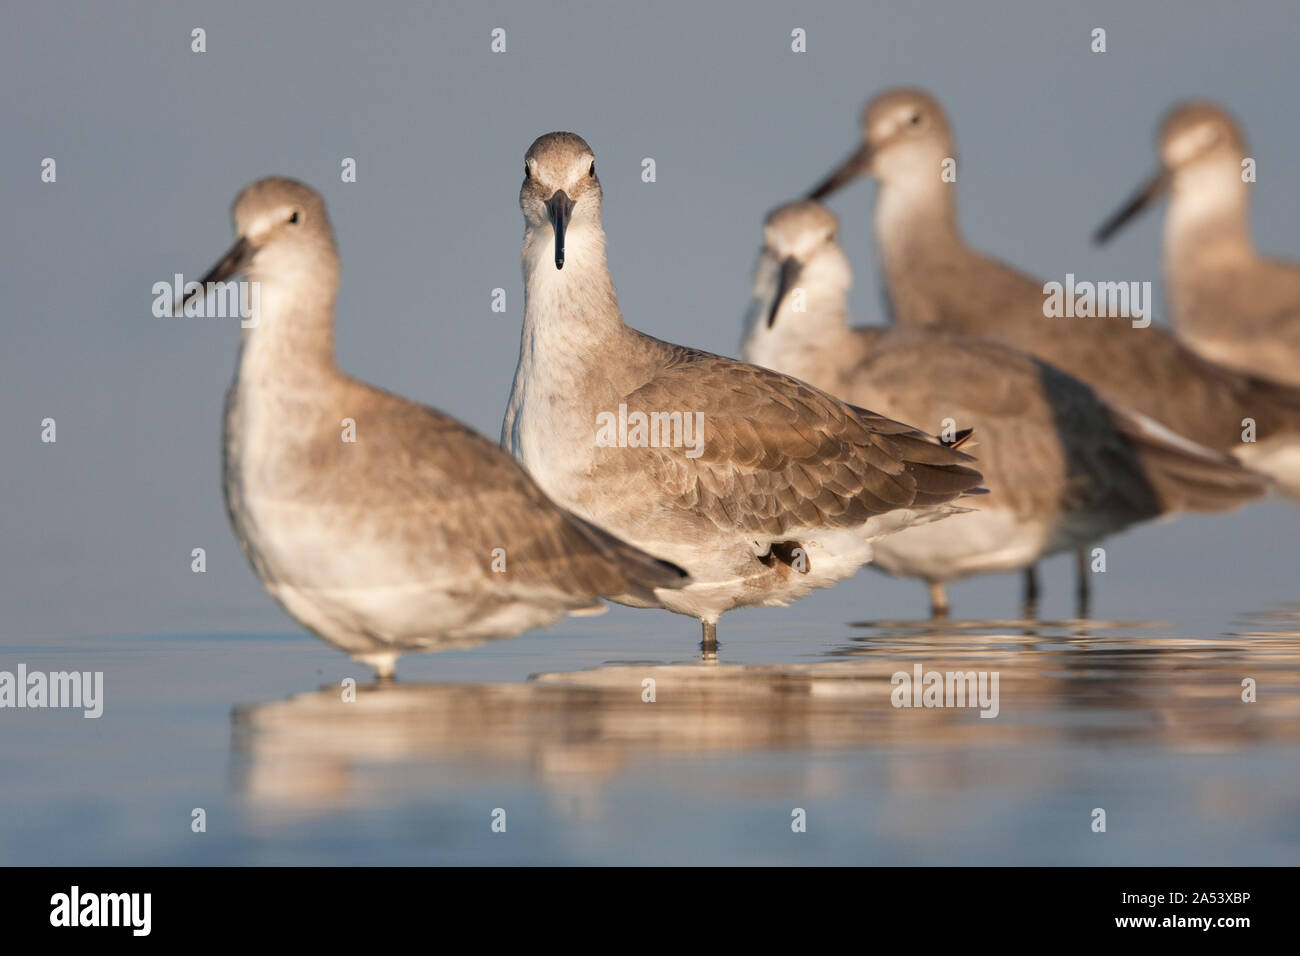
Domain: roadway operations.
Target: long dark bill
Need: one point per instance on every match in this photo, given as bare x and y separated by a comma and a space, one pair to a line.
789, 276
559, 207
855, 165
231, 263
1146, 194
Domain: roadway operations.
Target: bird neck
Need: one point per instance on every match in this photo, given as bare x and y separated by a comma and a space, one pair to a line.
291, 345
802, 350
574, 309
800, 342
575, 352
1208, 221
916, 219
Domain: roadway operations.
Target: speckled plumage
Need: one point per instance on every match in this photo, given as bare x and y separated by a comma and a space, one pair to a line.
782, 464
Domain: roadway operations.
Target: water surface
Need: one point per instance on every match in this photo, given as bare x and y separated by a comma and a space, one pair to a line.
1132, 717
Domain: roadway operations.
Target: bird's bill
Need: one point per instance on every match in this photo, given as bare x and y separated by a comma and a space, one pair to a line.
1145, 195
856, 164
232, 263
559, 207
789, 276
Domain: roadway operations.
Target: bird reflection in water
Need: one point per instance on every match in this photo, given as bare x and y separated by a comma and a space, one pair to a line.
575, 734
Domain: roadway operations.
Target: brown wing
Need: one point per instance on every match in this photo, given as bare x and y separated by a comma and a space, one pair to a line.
1045, 441
464, 497
778, 454
1145, 369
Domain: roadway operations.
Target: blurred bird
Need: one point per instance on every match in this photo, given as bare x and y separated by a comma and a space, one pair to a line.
1064, 468
934, 278
1227, 302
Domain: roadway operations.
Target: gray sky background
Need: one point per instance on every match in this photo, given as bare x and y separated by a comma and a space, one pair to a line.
153, 141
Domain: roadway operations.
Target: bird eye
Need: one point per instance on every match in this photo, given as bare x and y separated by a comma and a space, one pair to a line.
528, 173
592, 172
294, 218
915, 119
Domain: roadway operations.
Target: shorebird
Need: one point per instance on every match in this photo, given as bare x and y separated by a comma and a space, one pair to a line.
934, 278
1064, 468
760, 486
1227, 302
381, 525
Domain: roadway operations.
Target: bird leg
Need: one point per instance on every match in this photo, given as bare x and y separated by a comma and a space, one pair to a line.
938, 601
709, 640
384, 663
1031, 592
1083, 578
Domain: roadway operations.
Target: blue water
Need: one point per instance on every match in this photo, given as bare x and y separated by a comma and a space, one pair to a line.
1143, 720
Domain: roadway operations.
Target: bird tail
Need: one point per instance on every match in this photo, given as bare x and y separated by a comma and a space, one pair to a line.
1184, 475
941, 472
641, 572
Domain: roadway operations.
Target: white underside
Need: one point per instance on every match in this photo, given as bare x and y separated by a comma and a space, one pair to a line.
409, 617
977, 542
367, 595
727, 575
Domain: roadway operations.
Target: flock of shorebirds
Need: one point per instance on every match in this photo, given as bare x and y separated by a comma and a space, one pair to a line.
973, 435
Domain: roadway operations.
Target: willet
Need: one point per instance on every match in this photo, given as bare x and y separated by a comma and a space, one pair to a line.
1227, 302
934, 278
381, 525
760, 486
1064, 468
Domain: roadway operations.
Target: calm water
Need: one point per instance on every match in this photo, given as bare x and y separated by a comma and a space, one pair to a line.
1143, 719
